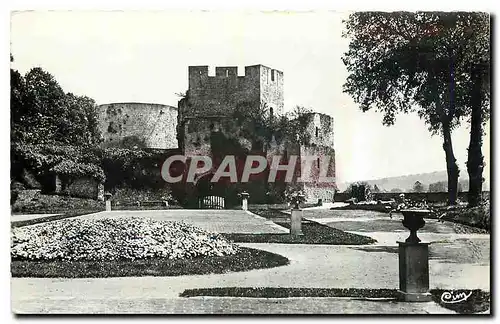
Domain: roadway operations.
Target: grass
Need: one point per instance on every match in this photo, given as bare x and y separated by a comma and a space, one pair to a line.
479, 301
246, 259
281, 292
314, 233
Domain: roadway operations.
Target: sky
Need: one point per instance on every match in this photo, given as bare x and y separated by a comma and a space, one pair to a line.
143, 56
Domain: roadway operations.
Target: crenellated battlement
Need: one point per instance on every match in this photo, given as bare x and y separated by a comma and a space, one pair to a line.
201, 72
220, 94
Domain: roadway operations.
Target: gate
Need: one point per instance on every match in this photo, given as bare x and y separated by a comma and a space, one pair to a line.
212, 202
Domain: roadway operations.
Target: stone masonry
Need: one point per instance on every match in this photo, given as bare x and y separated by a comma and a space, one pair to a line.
147, 125
208, 108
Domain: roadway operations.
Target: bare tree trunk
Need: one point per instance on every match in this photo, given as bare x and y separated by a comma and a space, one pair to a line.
451, 165
475, 156
451, 162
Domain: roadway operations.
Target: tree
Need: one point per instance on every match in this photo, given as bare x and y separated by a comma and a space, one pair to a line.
418, 187
478, 64
396, 190
439, 186
376, 189
80, 122
17, 107
42, 113
414, 62
42, 109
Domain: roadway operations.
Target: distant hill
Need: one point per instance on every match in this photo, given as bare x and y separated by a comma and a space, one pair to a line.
405, 183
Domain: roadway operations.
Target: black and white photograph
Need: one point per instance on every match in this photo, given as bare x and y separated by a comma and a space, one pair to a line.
250, 162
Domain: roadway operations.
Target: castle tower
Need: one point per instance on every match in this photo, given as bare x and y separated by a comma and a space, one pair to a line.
221, 94
211, 99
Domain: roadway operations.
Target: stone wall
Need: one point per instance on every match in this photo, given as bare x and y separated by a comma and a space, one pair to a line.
141, 124
316, 189
319, 143
82, 188
271, 89
319, 128
431, 197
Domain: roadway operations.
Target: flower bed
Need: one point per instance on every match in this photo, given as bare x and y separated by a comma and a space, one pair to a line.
114, 239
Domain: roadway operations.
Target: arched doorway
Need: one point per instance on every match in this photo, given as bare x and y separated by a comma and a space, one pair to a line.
208, 194
215, 195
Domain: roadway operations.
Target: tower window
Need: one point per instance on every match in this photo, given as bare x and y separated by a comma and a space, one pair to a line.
317, 131
272, 75
227, 73
271, 111
318, 162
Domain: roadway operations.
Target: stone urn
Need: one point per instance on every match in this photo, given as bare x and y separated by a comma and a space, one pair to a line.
244, 195
296, 200
414, 220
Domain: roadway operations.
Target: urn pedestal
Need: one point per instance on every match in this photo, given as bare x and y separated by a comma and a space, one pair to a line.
296, 222
414, 260
107, 198
244, 200
296, 216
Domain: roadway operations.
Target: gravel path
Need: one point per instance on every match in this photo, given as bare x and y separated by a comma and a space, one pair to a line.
458, 261
219, 221
17, 218
226, 305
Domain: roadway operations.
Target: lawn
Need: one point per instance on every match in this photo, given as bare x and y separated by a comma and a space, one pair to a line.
314, 233
246, 259
131, 246
479, 300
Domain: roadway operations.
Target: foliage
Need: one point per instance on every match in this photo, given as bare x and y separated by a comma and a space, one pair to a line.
361, 190
418, 187
294, 194
112, 239
71, 169
439, 186
42, 113
478, 216
396, 60
67, 160
260, 126
357, 184
124, 195
405, 203
51, 131
421, 62
135, 168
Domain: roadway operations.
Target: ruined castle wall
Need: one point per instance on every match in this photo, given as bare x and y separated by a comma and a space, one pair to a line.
320, 129
154, 125
315, 189
271, 89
